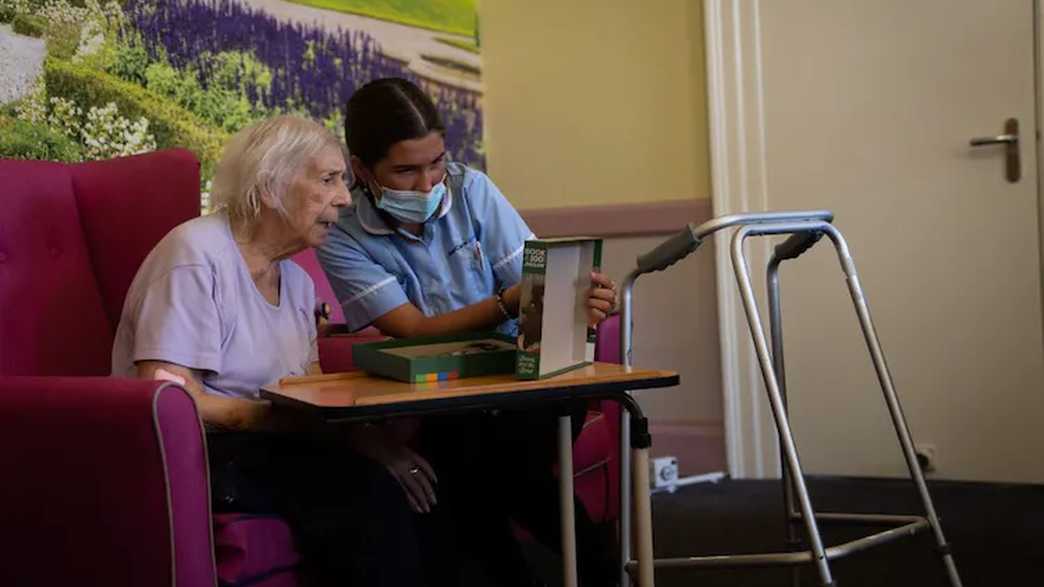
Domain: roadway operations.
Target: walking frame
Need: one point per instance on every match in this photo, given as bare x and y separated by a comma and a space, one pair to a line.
805, 229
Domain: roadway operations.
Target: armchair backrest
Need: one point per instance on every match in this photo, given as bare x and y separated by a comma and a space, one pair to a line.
323, 291
71, 239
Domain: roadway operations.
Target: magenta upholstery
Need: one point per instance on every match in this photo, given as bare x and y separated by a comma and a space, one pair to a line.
68, 252
160, 191
607, 350
335, 350
53, 319
103, 484
255, 550
323, 292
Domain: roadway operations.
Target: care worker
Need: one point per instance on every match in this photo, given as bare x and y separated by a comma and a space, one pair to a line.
432, 247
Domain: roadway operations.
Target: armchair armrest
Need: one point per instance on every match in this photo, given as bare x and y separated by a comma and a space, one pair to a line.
105, 483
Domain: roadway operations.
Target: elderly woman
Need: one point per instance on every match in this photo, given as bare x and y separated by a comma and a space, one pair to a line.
219, 307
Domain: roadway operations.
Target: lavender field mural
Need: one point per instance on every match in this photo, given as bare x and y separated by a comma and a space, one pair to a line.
105, 80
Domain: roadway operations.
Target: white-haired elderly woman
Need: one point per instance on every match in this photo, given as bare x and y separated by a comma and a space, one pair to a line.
218, 306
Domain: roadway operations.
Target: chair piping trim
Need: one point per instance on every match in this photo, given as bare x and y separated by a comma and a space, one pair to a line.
589, 468
166, 480
592, 420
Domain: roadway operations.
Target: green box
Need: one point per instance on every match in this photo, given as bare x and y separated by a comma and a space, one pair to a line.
448, 358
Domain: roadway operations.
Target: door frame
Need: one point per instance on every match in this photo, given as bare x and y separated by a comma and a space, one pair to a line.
1038, 70
735, 93
735, 88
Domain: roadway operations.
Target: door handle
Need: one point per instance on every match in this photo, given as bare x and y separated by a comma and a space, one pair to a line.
997, 140
1010, 140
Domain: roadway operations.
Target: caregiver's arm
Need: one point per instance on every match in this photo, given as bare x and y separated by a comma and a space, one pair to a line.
407, 321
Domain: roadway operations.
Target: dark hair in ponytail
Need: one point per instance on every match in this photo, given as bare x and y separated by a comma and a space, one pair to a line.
384, 112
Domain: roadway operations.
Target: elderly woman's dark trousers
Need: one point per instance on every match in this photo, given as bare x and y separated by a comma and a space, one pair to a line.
351, 520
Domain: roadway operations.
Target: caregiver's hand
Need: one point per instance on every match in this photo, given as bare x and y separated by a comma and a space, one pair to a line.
601, 298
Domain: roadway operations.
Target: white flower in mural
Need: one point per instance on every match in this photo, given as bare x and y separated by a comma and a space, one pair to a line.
65, 116
107, 134
16, 6
92, 37
204, 196
103, 132
33, 108
62, 12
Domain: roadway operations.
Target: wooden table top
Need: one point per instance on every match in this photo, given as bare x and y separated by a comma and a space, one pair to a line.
357, 389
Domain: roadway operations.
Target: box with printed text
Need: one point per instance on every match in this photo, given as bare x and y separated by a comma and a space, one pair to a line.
553, 335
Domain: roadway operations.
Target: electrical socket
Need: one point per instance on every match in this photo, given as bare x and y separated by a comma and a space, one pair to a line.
664, 471
927, 457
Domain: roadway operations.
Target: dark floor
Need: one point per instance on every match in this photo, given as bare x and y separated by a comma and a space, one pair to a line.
996, 531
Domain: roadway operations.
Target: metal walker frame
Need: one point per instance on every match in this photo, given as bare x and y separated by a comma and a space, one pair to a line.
805, 228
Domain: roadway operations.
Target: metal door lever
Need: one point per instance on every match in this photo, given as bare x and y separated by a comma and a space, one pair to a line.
999, 139
1010, 140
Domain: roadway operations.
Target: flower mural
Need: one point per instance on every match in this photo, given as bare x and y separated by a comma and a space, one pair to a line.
86, 80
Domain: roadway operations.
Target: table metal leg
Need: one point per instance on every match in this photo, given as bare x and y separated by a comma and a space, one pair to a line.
625, 496
643, 517
565, 495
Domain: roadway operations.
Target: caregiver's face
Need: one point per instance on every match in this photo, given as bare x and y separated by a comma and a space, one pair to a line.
413, 164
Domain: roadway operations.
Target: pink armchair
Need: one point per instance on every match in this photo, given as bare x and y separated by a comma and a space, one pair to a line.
105, 479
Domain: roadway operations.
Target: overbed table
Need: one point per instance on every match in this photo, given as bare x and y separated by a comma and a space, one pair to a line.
358, 397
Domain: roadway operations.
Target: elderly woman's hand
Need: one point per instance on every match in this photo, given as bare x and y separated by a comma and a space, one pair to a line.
413, 472
601, 298
415, 476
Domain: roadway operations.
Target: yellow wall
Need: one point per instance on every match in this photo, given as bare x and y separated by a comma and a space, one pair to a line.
595, 101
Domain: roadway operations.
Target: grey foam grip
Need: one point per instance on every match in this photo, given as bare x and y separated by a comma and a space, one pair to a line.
670, 251
796, 245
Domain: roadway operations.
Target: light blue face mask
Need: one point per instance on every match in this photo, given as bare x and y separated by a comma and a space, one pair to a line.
411, 206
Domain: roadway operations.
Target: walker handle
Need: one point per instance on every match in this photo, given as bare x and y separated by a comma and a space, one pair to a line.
670, 251
796, 245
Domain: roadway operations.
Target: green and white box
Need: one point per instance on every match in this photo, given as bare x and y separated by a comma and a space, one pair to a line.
553, 336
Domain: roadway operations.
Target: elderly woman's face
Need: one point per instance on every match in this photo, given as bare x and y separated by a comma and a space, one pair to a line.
316, 194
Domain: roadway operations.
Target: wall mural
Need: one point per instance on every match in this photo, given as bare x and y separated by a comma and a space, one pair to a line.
82, 80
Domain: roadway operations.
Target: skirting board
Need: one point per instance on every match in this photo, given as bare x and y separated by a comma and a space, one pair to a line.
699, 447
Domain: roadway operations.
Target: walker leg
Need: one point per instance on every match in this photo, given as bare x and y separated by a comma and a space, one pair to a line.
776, 402
625, 496
892, 399
776, 333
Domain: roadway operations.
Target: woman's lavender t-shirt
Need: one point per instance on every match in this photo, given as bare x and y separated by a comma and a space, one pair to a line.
193, 303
